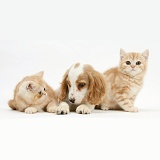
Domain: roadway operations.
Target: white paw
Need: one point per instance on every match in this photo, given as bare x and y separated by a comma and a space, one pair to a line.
104, 107
52, 109
83, 109
31, 110
132, 109
63, 108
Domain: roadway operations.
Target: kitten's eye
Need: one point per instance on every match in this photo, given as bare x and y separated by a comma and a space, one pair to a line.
128, 62
138, 63
81, 85
44, 89
40, 93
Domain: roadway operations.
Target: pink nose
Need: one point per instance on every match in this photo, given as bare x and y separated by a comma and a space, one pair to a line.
133, 66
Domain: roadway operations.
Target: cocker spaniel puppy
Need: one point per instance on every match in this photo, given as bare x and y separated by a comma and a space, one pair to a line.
82, 88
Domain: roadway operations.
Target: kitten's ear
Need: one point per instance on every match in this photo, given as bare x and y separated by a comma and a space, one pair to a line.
39, 74
122, 53
145, 54
30, 86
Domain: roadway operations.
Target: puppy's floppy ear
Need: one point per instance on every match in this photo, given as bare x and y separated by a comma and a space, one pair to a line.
97, 88
30, 85
39, 74
63, 87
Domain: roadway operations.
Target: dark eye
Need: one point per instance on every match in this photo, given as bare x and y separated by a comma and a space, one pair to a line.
138, 63
80, 85
44, 89
40, 93
128, 62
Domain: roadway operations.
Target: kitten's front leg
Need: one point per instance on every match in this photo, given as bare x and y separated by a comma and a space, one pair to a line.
125, 103
85, 108
52, 107
63, 108
31, 110
105, 105
132, 99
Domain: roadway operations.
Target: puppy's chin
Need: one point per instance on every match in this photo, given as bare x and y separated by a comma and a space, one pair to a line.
75, 103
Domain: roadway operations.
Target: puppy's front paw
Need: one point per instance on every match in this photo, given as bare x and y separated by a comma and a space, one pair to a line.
63, 108
132, 109
83, 109
31, 110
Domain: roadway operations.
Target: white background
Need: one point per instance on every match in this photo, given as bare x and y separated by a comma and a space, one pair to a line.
51, 36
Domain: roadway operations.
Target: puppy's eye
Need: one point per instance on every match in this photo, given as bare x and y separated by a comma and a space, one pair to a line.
81, 85
39, 92
44, 89
128, 62
138, 62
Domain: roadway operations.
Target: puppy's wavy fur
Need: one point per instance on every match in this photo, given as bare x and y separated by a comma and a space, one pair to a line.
33, 94
94, 84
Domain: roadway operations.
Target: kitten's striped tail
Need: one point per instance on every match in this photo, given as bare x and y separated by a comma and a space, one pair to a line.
12, 104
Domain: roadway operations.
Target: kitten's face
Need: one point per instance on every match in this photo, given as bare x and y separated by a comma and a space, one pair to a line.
33, 89
133, 63
38, 91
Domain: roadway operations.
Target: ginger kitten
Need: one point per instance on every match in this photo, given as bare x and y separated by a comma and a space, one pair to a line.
33, 94
124, 82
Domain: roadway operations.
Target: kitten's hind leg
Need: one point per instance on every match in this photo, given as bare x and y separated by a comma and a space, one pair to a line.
12, 104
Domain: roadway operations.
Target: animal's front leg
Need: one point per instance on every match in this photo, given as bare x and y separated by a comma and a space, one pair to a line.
132, 99
52, 107
31, 110
63, 108
85, 108
125, 103
105, 105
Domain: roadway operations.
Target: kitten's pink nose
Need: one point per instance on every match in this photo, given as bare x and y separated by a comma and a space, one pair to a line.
133, 66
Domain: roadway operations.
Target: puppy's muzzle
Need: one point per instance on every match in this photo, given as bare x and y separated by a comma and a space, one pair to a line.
72, 100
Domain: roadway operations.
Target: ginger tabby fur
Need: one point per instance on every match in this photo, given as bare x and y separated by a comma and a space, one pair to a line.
124, 82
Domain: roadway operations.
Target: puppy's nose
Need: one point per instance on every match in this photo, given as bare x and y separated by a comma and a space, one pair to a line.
72, 100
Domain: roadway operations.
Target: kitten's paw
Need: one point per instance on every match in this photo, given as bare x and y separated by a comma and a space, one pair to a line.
52, 109
31, 110
105, 107
132, 109
63, 108
83, 109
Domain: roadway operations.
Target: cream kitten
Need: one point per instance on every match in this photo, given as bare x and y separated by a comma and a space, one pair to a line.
33, 94
124, 82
